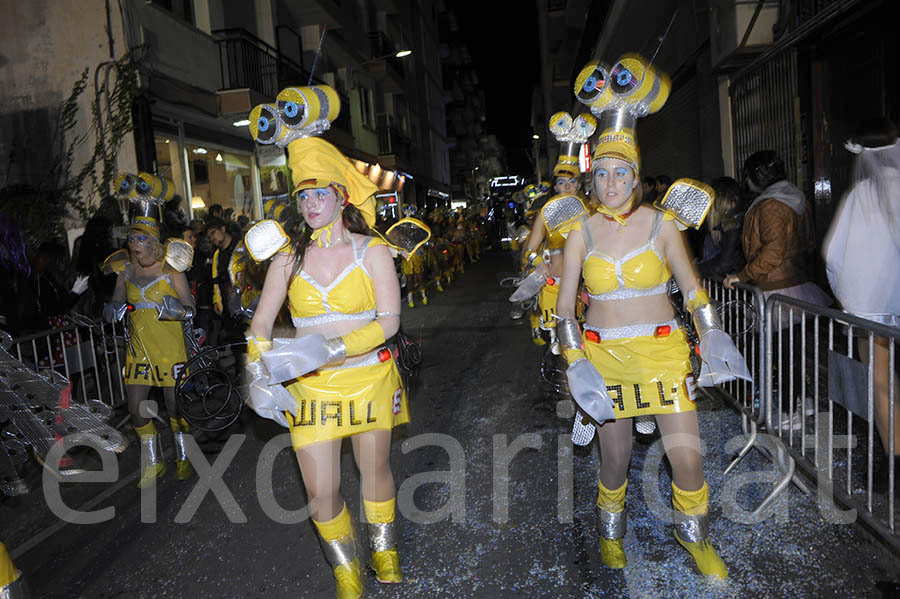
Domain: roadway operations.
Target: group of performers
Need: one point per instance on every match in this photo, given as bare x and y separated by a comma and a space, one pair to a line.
628, 355
455, 240
337, 375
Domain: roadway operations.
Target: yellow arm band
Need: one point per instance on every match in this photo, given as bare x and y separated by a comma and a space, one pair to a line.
257, 346
365, 339
571, 355
696, 298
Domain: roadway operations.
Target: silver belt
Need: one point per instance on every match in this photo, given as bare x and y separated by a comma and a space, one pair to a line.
145, 306
636, 330
628, 293
369, 359
329, 317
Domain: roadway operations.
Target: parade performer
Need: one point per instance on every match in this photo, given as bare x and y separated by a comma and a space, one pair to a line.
12, 585
336, 378
633, 358
413, 266
556, 216
153, 292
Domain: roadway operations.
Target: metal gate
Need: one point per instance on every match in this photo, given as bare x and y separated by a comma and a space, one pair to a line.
765, 112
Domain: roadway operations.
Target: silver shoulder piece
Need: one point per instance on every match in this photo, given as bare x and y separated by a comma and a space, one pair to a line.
179, 254
562, 210
408, 234
688, 201
264, 239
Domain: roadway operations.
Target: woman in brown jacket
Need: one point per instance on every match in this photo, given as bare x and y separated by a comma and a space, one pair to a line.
778, 236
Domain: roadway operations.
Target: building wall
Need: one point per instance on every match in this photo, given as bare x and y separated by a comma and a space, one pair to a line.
44, 47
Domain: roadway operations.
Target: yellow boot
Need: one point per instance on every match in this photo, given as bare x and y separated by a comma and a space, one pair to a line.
152, 460
339, 545
8, 573
692, 529
383, 540
611, 522
181, 428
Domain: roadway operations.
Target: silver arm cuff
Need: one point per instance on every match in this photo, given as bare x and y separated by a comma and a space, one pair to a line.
706, 319
339, 551
530, 258
569, 334
337, 351
382, 536
611, 525
692, 529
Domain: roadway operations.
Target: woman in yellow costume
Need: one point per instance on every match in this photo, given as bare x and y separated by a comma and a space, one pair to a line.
633, 358
557, 215
153, 291
12, 585
336, 378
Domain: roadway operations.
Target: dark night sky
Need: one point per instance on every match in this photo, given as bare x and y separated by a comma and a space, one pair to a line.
502, 38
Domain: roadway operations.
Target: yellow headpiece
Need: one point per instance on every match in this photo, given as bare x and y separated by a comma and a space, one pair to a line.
571, 133
618, 144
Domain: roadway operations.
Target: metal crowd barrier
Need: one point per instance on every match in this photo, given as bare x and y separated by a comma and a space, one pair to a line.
821, 402
742, 311
90, 355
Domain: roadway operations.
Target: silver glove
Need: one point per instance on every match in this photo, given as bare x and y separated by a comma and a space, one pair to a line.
172, 309
721, 360
269, 401
292, 358
114, 311
531, 284
588, 389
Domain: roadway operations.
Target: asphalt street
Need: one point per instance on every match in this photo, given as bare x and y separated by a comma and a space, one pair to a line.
495, 502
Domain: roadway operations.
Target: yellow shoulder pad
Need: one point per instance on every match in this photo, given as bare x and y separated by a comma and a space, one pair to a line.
115, 262
179, 254
265, 239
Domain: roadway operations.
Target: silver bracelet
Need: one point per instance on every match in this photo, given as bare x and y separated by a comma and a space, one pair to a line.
705, 319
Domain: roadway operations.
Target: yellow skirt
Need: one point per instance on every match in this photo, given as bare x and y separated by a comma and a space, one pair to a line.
547, 303
337, 403
645, 375
156, 353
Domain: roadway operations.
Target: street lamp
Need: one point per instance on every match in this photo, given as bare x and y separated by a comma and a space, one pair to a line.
400, 54
535, 136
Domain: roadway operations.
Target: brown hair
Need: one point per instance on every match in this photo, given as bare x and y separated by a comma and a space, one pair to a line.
723, 212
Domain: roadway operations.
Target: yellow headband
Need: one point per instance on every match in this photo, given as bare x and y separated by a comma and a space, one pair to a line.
621, 145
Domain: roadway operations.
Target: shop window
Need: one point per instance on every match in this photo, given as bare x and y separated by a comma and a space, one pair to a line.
220, 176
367, 107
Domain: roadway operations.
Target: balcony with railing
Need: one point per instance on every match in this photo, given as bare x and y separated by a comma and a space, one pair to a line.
391, 140
247, 62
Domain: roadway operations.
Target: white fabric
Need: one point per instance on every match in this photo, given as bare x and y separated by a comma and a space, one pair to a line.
862, 253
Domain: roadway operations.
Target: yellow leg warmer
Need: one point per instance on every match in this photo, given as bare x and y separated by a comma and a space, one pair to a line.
383, 540
691, 529
339, 545
146, 431
8, 573
611, 523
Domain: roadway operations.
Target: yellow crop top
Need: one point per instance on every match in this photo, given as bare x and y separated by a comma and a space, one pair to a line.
351, 296
639, 273
147, 297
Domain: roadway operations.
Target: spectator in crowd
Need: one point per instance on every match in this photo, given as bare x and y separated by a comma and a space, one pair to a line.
648, 189
223, 237
722, 253
215, 211
228, 215
174, 218
17, 302
91, 249
777, 240
862, 254
243, 222
50, 268
663, 182
778, 235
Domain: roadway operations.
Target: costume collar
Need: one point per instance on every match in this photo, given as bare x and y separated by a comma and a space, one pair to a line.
325, 231
620, 217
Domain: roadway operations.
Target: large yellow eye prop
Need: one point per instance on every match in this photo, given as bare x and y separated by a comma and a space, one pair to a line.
560, 124
591, 85
301, 107
265, 125
583, 126
125, 185
155, 187
640, 85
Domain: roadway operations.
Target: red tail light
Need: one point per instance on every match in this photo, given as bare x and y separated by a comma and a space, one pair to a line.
592, 336
663, 330
384, 354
